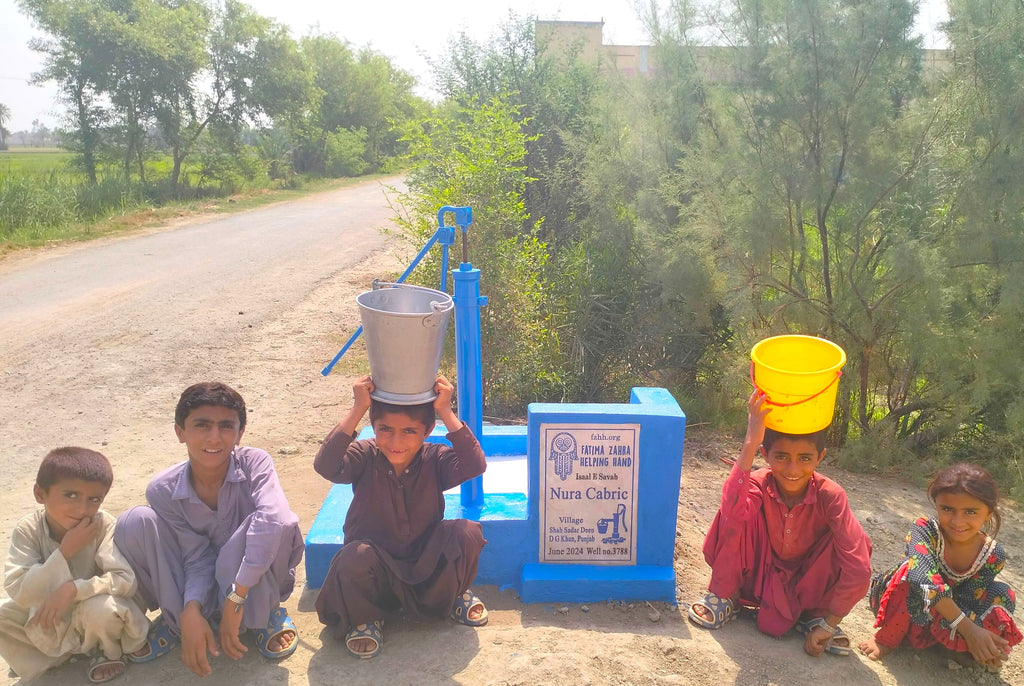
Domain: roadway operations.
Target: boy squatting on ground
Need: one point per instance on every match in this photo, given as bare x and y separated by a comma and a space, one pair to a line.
70, 589
803, 557
218, 537
399, 550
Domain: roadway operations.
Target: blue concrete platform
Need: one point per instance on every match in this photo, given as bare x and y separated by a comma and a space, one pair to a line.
502, 515
498, 518
582, 583
514, 506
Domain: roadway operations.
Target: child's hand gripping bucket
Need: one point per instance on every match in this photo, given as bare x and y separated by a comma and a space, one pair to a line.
800, 377
404, 328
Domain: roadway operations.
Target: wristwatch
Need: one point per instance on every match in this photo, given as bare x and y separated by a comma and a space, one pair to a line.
238, 600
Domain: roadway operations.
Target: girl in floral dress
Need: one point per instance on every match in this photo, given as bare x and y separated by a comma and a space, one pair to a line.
944, 591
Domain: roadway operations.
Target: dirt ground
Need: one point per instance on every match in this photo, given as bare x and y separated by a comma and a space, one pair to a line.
276, 367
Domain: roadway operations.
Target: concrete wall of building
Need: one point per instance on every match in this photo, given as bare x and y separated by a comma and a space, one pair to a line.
585, 39
563, 38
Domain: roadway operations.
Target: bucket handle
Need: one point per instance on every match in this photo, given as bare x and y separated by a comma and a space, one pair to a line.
437, 315
798, 402
435, 305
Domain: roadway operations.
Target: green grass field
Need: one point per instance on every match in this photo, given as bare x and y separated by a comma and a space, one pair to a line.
35, 161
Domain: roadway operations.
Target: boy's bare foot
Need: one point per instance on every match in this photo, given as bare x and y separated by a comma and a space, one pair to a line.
102, 669
282, 641
142, 652
365, 640
362, 645
873, 650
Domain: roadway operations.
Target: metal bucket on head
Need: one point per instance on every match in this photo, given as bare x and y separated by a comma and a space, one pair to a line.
404, 328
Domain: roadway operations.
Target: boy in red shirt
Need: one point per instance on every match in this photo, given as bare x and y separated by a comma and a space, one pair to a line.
785, 540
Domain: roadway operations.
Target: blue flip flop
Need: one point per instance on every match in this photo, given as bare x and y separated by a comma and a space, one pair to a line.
161, 640
279, 622
372, 631
722, 610
463, 604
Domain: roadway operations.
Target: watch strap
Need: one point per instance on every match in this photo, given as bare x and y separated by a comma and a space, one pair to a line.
233, 596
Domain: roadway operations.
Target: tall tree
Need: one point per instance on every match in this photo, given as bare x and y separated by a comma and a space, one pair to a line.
555, 95
5, 116
362, 101
982, 216
474, 156
385, 100
74, 58
177, 66
807, 169
156, 52
226, 67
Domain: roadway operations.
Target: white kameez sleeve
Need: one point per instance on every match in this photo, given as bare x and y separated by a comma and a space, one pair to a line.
115, 575
29, 577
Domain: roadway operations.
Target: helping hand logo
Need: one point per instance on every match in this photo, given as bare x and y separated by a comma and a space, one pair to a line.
563, 452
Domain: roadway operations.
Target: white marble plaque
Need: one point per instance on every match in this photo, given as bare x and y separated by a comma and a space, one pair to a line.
588, 492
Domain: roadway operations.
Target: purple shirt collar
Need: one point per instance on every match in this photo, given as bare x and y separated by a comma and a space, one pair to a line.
183, 488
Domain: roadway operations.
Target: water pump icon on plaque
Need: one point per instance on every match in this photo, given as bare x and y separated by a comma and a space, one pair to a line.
588, 493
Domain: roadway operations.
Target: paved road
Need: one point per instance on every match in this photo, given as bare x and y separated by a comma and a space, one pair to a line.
97, 336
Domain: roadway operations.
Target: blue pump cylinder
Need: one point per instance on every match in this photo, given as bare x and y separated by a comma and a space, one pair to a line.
468, 364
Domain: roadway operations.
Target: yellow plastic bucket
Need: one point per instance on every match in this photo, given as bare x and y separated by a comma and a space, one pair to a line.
800, 377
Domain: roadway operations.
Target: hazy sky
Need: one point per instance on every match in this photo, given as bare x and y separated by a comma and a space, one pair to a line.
404, 30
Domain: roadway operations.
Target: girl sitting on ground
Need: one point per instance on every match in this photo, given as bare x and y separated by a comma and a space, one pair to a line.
944, 590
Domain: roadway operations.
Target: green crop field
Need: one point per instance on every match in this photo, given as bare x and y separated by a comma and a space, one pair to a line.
35, 161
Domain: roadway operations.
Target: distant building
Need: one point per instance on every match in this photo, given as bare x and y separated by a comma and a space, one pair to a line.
584, 39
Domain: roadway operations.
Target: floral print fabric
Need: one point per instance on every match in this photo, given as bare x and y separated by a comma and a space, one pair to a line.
923, 577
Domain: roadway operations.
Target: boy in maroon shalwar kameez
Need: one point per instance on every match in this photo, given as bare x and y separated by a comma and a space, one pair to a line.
785, 540
399, 551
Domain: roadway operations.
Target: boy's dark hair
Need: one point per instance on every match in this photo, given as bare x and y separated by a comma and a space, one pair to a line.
972, 480
209, 393
817, 438
74, 463
423, 413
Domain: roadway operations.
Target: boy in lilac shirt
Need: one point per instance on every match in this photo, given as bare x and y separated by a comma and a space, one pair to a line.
218, 537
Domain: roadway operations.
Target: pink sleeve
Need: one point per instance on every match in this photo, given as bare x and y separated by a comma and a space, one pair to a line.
738, 494
852, 550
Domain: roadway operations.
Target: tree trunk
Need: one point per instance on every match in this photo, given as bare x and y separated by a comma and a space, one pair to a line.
826, 270
177, 156
862, 402
86, 133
